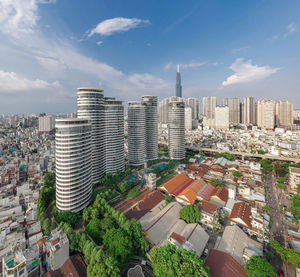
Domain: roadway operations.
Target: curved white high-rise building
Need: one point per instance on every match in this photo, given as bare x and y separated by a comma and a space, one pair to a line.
73, 153
176, 130
114, 136
150, 103
90, 104
136, 133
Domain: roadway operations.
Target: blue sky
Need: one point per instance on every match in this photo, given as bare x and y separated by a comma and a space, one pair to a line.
130, 48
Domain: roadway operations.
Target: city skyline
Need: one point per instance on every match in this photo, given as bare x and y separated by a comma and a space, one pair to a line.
49, 50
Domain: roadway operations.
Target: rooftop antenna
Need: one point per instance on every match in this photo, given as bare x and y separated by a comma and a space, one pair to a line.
177, 67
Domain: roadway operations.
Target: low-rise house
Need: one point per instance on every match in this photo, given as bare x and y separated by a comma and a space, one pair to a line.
294, 179
219, 196
235, 242
209, 213
222, 264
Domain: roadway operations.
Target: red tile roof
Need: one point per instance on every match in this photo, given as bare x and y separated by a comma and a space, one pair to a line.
221, 192
208, 207
242, 211
177, 237
222, 264
171, 185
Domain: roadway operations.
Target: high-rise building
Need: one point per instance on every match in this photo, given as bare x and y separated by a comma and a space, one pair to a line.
46, 124
188, 118
73, 155
136, 133
151, 117
249, 111
114, 136
90, 105
296, 114
208, 106
222, 118
194, 104
266, 114
284, 113
164, 108
234, 109
178, 83
176, 130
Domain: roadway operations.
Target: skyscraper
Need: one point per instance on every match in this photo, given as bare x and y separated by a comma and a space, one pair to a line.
136, 133
178, 83
176, 130
151, 117
284, 113
222, 118
188, 118
249, 111
114, 136
208, 106
266, 114
164, 108
90, 105
234, 109
46, 124
73, 154
194, 104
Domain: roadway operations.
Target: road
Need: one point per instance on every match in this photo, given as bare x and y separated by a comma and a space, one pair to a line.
244, 154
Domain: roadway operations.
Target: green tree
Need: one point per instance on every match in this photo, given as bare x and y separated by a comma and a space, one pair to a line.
49, 179
93, 229
281, 169
267, 208
118, 243
133, 193
168, 199
169, 261
68, 217
286, 254
190, 214
47, 226
217, 183
266, 165
259, 267
237, 174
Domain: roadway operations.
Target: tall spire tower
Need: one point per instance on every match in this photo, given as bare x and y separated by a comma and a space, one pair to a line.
178, 83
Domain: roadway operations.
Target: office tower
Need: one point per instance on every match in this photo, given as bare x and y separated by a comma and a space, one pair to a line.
178, 83
234, 109
114, 136
151, 116
164, 108
46, 124
194, 104
176, 130
283, 113
188, 118
249, 111
73, 154
265, 114
136, 133
90, 105
222, 118
208, 106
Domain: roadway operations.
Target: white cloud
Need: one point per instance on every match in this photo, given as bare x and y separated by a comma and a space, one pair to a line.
245, 71
172, 66
291, 28
10, 81
116, 25
275, 37
234, 51
19, 16
99, 42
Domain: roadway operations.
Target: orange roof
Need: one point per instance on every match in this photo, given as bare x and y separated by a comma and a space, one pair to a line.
190, 193
171, 185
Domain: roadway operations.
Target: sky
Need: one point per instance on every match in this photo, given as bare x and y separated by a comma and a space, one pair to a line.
232, 48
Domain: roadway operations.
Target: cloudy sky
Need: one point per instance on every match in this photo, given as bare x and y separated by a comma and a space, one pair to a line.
231, 48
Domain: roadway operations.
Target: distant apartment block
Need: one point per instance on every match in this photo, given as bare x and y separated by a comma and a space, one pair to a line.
284, 113
46, 124
266, 114
234, 109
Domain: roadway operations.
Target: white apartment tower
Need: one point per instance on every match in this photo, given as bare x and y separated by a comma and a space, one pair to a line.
164, 108
188, 118
90, 105
266, 114
222, 118
234, 109
114, 136
284, 113
194, 104
73, 155
136, 133
249, 111
208, 106
46, 124
176, 130
151, 117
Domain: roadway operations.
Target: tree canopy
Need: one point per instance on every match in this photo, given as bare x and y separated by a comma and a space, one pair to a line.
190, 214
169, 261
259, 267
217, 183
286, 254
237, 174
